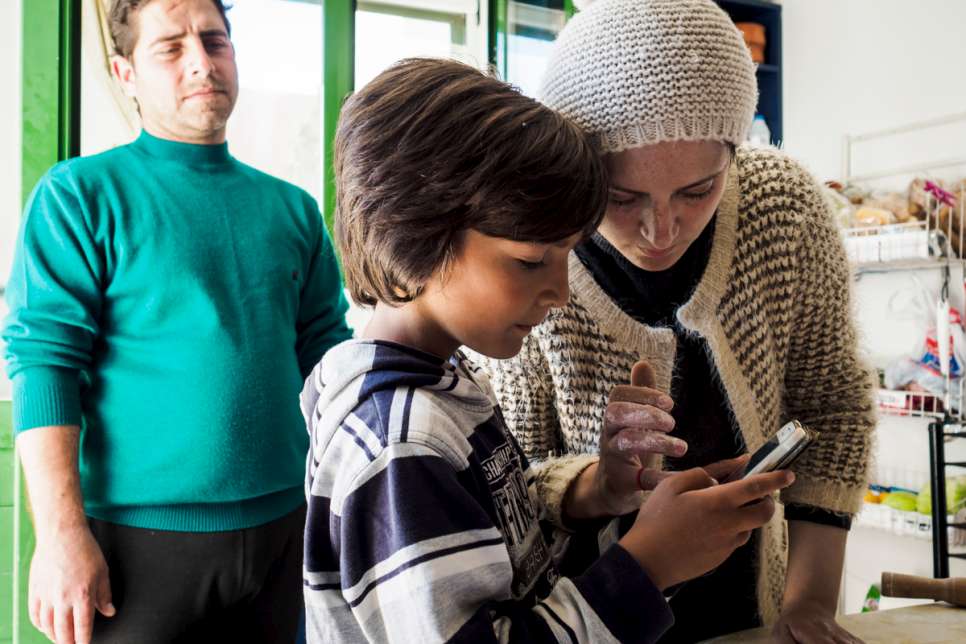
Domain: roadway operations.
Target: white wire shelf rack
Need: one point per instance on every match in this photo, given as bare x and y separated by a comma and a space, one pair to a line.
906, 524
931, 242
912, 404
935, 238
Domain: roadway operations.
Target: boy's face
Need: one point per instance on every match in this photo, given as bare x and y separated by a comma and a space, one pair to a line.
495, 291
182, 71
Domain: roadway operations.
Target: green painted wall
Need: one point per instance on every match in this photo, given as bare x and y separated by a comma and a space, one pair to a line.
338, 70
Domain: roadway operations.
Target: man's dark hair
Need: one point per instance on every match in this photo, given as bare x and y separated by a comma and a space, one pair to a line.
123, 25
432, 148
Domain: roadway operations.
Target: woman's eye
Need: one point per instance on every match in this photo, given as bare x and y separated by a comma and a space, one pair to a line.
529, 266
698, 195
620, 203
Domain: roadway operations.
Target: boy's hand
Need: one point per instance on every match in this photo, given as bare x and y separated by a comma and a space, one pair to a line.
725, 471
636, 426
690, 524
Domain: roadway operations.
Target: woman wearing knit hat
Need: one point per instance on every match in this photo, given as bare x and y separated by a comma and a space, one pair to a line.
722, 268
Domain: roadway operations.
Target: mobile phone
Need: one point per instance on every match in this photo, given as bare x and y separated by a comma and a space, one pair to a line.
779, 452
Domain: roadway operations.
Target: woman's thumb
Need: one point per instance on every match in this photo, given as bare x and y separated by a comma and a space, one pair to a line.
642, 375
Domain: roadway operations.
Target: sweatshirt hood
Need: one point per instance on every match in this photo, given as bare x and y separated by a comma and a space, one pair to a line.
357, 370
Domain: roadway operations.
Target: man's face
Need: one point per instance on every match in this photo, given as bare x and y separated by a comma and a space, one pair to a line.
182, 71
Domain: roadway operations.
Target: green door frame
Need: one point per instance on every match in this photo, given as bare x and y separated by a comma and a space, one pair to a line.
338, 71
50, 114
497, 36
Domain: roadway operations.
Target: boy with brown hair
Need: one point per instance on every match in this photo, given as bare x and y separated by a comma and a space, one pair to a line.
458, 202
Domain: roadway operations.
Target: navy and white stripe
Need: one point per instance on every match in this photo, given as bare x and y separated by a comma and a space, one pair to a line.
423, 523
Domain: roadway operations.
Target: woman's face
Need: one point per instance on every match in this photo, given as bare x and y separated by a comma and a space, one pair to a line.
661, 198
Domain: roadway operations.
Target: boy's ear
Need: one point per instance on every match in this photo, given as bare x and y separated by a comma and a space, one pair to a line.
123, 71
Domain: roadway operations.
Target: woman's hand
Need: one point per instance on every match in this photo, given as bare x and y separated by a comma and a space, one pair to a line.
807, 622
635, 435
815, 557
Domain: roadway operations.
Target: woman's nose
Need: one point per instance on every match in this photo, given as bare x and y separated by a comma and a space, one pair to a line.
659, 228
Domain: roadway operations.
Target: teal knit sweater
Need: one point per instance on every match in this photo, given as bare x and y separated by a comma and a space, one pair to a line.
170, 300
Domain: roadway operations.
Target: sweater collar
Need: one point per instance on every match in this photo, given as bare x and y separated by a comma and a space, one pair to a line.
187, 153
698, 313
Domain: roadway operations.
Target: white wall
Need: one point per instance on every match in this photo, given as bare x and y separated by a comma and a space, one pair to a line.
9, 149
108, 118
9, 131
852, 66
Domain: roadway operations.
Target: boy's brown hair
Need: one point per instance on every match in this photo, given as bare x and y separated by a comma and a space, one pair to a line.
123, 27
431, 148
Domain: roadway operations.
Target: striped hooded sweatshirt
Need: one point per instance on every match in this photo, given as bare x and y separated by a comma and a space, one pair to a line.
425, 523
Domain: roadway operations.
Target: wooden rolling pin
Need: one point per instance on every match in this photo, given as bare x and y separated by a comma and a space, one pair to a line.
951, 590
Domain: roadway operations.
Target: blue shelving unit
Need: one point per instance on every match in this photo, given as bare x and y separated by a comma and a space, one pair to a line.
769, 72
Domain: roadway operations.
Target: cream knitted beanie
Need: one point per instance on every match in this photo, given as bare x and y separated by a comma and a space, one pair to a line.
637, 72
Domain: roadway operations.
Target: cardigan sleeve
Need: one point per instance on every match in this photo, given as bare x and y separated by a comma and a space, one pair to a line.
828, 388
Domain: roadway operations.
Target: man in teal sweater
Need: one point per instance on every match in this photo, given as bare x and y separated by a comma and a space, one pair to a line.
166, 303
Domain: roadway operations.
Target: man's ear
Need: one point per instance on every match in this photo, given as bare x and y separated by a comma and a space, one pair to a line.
123, 72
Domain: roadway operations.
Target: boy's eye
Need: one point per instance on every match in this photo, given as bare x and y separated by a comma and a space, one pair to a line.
530, 266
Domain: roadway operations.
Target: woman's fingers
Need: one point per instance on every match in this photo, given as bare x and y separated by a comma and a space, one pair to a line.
641, 396
621, 415
638, 443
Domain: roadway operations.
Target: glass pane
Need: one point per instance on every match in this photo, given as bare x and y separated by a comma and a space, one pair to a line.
386, 33
277, 122
532, 27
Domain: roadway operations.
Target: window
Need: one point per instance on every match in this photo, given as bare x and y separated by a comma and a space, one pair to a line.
532, 27
276, 126
389, 30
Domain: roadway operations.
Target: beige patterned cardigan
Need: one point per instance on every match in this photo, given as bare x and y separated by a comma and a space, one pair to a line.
774, 307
